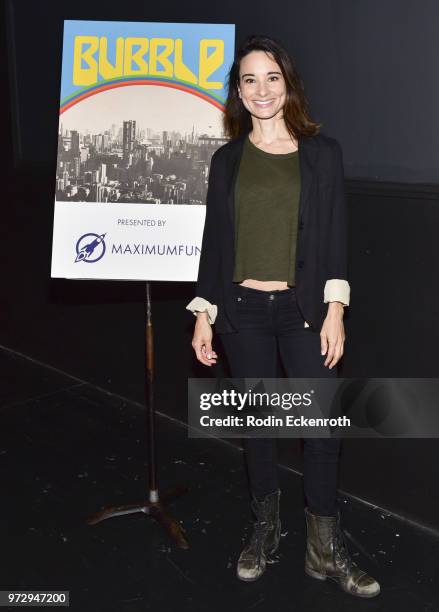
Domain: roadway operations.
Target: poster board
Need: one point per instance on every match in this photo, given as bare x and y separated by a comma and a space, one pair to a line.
141, 109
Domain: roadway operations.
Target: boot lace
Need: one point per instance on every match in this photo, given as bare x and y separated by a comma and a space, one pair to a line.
340, 550
260, 531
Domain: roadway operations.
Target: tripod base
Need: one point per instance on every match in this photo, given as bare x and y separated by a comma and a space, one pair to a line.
155, 508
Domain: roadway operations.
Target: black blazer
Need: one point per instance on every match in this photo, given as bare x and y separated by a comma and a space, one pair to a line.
321, 237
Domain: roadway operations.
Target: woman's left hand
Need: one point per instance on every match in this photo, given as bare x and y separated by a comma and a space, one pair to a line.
332, 334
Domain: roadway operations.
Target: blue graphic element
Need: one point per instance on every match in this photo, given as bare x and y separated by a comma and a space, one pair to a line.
86, 248
190, 33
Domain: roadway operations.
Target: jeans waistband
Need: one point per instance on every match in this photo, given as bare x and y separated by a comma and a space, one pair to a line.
243, 290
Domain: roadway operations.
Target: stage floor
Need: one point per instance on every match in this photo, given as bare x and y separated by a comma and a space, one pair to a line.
68, 448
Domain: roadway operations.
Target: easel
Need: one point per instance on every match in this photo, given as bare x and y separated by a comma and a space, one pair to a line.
155, 506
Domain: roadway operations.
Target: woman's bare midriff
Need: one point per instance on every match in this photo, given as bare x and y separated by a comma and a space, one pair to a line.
264, 285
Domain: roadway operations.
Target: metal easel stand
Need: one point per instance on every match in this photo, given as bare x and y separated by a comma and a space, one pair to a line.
155, 506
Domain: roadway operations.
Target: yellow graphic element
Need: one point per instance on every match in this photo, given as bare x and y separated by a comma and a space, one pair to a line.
130, 60
208, 65
161, 57
182, 72
85, 76
135, 56
106, 69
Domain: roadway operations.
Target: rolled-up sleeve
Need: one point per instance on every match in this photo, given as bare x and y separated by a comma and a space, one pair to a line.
199, 304
337, 290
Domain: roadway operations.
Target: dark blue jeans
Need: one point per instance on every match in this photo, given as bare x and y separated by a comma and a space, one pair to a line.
271, 325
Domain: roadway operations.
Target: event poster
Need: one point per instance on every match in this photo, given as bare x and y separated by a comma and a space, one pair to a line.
141, 109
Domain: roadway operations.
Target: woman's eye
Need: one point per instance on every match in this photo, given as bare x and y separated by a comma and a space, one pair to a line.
251, 80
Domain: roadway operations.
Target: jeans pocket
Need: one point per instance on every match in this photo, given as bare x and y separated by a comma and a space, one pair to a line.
251, 312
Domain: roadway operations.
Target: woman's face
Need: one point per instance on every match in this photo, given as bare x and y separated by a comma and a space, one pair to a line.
261, 86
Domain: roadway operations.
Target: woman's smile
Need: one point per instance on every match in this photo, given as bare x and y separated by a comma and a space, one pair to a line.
263, 103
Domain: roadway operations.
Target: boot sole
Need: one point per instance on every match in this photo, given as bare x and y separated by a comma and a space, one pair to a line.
249, 579
319, 576
270, 552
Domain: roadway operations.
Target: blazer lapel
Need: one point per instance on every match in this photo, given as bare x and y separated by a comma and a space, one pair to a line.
307, 164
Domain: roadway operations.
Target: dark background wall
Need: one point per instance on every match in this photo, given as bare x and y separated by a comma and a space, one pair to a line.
369, 70
370, 74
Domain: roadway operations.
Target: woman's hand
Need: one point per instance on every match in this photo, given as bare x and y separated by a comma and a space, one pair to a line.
332, 335
202, 340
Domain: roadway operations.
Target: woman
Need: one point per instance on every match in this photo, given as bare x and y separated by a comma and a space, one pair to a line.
272, 277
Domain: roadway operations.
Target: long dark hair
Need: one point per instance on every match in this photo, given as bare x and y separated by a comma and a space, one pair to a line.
237, 119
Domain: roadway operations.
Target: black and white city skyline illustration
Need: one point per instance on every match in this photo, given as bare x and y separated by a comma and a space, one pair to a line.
109, 151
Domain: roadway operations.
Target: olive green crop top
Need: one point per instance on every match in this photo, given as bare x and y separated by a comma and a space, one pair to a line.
266, 214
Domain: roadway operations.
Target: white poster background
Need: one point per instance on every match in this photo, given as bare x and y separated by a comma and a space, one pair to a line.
142, 241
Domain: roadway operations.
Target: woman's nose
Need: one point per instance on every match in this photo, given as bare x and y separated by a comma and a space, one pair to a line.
262, 89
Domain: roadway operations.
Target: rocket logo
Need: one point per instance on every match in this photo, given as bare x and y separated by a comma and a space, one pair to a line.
90, 248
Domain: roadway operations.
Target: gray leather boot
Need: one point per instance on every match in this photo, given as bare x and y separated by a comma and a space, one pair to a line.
327, 556
264, 539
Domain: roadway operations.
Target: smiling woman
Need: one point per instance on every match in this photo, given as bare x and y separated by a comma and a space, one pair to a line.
273, 279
